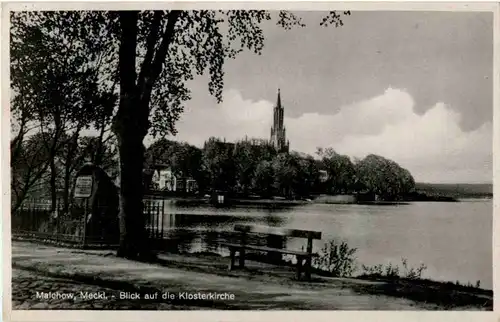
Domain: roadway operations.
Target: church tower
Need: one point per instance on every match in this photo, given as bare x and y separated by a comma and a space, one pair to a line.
278, 132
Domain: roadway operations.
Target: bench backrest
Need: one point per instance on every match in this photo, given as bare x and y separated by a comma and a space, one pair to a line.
297, 233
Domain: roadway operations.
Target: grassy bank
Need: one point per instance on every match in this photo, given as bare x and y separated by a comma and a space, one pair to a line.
259, 286
337, 259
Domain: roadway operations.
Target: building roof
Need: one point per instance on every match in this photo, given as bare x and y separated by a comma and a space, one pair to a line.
160, 166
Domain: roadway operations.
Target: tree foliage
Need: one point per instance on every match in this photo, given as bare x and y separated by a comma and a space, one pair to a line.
32, 161
62, 83
29, 174
254, 166
75, 58
340, 169
384, 177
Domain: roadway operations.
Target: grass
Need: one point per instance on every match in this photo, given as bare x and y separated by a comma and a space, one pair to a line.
337, 259
338, 263
394, 271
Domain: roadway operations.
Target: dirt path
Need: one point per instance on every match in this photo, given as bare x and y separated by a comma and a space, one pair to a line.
39, 268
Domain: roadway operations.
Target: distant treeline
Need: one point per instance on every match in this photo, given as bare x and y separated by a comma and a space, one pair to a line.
458, 191
254, 167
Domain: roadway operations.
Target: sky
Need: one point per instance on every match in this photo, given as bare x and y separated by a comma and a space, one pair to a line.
415, 87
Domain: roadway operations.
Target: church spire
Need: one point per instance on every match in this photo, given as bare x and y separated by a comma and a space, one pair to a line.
278, 133
278, 102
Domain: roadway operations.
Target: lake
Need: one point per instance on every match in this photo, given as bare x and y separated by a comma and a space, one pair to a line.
454, 240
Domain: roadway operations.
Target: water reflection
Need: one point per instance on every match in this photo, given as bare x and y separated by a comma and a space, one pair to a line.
454, 240
191, 226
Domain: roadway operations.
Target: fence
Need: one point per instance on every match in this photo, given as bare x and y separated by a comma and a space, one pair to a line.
179, 232
165, 231
153, 212
36, 221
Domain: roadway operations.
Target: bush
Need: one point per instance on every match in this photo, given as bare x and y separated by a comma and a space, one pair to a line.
469, 284
336, 259
393, 271
413, 273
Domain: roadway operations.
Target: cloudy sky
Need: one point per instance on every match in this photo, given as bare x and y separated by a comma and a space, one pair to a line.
415, 87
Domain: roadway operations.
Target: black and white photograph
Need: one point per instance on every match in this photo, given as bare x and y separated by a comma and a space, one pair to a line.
269, 158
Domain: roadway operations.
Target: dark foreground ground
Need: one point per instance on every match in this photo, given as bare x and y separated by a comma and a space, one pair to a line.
45, 269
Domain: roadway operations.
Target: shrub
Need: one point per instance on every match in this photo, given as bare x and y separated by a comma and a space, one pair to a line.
336, 259
393, 271
413, 273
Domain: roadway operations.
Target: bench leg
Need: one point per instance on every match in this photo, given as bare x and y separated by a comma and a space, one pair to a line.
299, 266
242, 258
232, 251
308, 268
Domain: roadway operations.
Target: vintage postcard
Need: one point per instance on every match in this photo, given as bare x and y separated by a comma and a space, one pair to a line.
331, 160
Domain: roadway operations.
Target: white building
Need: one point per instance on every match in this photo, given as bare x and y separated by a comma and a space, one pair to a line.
164, 179
323, 175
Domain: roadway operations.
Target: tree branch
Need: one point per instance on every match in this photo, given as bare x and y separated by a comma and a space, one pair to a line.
150, 48
159, 58
128, 75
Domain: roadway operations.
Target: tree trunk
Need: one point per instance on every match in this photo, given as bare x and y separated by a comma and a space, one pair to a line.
53, 184
132, 221
67, 188
130, 128
131, 123
99, 152
68, 169
17, 143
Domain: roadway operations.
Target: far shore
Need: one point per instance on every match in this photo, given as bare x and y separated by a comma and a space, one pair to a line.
321, 199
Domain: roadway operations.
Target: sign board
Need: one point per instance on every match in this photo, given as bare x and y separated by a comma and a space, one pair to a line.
83, 187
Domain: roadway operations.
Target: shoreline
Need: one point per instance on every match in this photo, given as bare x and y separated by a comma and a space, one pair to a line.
429, 282
323, 199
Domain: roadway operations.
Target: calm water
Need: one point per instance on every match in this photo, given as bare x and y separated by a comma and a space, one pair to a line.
454, 240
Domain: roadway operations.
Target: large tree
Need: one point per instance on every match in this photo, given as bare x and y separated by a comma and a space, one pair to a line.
340, 169
307, 181
263, 180
184, 159
29, 169
159, 52
384, 177
246, 158
60, 68
219, 164
156, 54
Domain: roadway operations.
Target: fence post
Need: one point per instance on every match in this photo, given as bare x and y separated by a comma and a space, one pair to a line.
157, 234
153, 213
85, 223
57, 223
153, 221
31, 223
162, 216
147, 219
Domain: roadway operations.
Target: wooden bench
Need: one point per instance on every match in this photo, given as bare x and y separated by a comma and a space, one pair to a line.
244, 244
